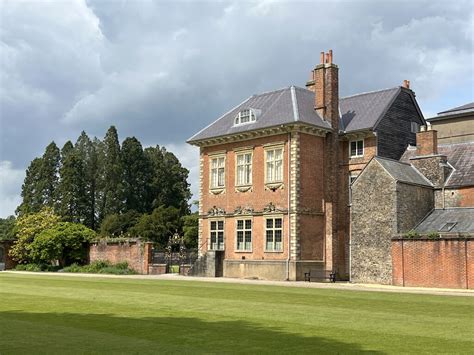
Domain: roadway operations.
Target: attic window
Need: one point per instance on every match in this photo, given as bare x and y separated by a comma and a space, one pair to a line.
245, 116
447, 227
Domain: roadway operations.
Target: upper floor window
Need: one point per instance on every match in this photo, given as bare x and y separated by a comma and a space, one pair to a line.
218, 172
217, 235
415, 127
244, 234
357, 148
245, 116
274, 234
274, 165
244, 168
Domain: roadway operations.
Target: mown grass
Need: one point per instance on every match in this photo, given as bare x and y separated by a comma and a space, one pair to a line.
60, 314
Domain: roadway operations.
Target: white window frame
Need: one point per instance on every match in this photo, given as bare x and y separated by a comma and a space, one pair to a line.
217, 157
273, 229
357, 155
273, 149
246, 166
246, 114
244, 231
216, 232
352, 176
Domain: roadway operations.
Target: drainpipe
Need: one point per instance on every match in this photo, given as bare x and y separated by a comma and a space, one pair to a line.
289, 222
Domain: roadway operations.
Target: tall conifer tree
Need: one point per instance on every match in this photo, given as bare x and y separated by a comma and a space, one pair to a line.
31, 191
49, 175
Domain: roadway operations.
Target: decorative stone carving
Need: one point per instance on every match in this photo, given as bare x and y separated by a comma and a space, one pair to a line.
274, 186
271, 208
245, 210
216, 211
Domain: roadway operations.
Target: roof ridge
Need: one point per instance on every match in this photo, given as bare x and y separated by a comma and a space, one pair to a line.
370, 92
271, 91
390, 159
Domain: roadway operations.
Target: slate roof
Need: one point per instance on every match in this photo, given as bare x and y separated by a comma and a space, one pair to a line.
460, 156
363, 111
454, 112
403, 172
437, 219
274, 108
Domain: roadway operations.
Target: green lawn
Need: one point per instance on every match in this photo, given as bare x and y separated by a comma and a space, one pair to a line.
44, 314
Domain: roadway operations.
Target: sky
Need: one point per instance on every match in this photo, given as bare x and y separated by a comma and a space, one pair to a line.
163, 70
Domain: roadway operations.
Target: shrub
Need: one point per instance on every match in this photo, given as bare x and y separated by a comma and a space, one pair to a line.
102, 267
411, 234
433, 235
36, 267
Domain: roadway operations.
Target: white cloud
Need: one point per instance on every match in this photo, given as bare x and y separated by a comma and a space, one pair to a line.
10, 186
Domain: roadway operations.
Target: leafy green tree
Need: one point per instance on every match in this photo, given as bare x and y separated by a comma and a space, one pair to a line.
110, 175
7, 226
169, 185
158, 226
27, 228
49, 175
32, 198
115, 225
87, 152
136, 175
71, 190
63, 244
190, 229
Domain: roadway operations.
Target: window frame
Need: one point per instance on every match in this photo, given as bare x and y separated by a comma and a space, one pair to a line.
356, 150
213, 157
273, 229
237, 154
252, 117
244, 230
217, 230
265, 152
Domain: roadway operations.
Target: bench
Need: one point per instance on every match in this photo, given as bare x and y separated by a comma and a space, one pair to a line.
318, 274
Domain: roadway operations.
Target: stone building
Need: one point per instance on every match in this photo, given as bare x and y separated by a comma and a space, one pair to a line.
429, 191
455, 125
275, 173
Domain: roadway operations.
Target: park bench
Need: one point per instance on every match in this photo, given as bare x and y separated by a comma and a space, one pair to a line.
318, 274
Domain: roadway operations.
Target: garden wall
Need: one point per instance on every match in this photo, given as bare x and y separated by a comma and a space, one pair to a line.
134, 252
6, 262
445, 262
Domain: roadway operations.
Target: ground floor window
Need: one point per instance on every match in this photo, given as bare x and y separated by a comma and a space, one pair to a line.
217, 235
244, 234
274, 234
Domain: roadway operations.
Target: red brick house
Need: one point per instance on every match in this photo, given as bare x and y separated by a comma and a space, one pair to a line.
275, 173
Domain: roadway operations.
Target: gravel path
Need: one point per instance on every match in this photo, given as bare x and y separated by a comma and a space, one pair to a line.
335, 286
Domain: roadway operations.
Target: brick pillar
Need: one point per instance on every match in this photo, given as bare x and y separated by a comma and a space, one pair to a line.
147, 257
427, 142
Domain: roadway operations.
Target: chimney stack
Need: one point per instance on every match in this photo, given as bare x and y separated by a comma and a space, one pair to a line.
426, 141
324, 83
406, 84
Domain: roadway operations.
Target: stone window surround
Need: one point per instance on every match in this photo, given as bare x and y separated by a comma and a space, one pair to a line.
280, 216
273, 185
251, 234
356, 142
242, 151
216, 155
217, 220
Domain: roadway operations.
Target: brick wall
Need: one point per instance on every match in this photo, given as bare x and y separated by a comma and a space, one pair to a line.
447, 262
9, 263
135, 253
459, 197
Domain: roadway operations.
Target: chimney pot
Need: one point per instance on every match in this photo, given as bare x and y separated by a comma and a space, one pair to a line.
406, 84
330, 56
327, 57
322, 57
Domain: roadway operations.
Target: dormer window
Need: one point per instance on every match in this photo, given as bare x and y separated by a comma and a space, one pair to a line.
244, 116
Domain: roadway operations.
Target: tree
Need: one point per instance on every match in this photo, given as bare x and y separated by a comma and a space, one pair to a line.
110, 175
6, 228
27, 228
71, 194
169, 185
191, 229
31, 190
158, 226
49, 173
136, 175
62, 244
87, 152
115, 225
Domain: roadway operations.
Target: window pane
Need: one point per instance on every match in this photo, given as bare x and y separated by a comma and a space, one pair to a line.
353, 148
248, 224
278, 154
220, 225
240, 224
213, 225
220, 180
269, 223
278, 222
278, 170
240, 240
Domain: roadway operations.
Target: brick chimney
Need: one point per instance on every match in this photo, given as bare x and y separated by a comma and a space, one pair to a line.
426, 141
324, 82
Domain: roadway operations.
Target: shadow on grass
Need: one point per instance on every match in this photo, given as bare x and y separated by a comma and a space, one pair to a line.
72, 332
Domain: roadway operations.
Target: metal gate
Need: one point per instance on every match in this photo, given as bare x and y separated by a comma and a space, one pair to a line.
174, 256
